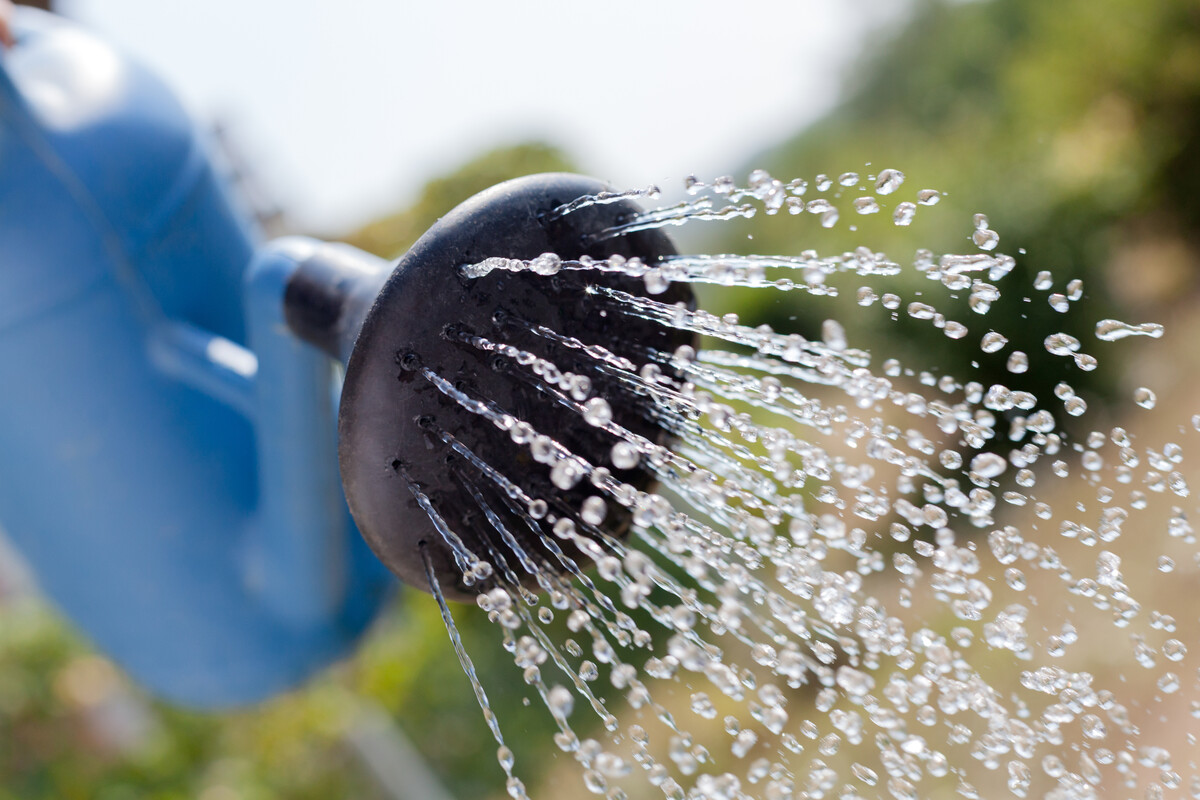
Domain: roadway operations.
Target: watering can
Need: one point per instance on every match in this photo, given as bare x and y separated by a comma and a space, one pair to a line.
168, 460
179, 450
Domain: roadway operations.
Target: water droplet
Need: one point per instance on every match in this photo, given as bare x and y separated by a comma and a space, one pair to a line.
889, 180
624, 455
921, 311
864, 774
546, 264
521, 433
566, 473
743, 742
1146, 398
1061, 344
724, 185
597, 412
594, 510
866, 205
854, 682
656, 281
833, 334
904, 214
988, 465
1075, 406
985, 239
929, 197
702, 706
758, 179
955, 330
848, 179
594, 781
993, 342
1111, 330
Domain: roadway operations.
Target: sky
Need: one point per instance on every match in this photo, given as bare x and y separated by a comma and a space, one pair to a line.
345, 109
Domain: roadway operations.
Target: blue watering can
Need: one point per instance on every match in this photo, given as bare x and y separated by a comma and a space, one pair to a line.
167, 447
173, 425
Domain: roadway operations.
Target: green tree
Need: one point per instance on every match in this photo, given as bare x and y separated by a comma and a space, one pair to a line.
390, 235
1075, 125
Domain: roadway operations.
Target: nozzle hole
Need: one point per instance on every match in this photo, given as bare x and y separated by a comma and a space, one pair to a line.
408, 360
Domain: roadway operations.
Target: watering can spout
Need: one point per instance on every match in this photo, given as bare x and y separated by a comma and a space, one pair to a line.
328, 293
170, 466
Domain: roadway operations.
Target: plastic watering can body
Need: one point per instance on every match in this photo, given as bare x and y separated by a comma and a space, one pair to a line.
168, 462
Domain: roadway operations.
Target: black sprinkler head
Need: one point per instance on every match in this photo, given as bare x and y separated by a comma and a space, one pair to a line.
415, 461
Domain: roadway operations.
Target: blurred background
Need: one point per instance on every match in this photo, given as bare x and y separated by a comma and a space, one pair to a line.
1075, 125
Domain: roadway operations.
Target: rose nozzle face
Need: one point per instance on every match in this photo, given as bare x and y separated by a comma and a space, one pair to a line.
452, 381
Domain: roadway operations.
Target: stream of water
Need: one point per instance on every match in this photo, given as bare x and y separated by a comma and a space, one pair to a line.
856, 578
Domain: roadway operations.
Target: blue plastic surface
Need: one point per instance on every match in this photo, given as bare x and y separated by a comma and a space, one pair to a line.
167, 455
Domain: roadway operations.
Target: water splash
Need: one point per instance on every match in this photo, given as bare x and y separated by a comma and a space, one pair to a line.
876, 578
1111, 330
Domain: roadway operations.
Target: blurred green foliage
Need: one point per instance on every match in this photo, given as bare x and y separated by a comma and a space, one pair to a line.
389, 236
1074, 124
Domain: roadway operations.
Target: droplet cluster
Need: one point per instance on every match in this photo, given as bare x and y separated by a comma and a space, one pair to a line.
854, 579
